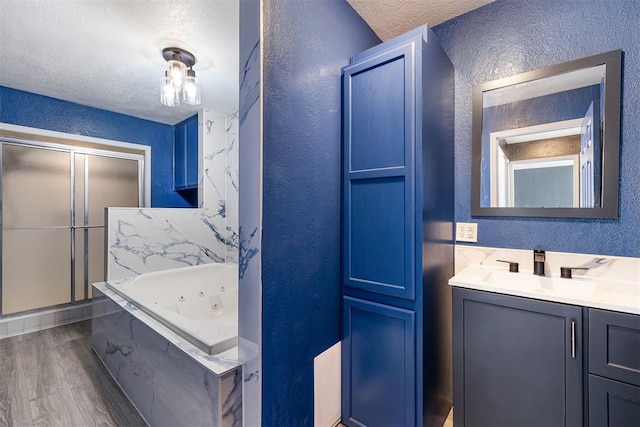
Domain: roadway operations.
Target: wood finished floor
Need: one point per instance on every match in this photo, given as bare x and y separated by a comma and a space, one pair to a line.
53, 378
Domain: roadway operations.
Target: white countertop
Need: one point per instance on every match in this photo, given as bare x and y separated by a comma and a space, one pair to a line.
616, 295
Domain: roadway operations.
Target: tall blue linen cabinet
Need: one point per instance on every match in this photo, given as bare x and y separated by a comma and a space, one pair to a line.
397, 225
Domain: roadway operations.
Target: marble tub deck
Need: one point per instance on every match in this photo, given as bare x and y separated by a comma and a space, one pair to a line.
169, 380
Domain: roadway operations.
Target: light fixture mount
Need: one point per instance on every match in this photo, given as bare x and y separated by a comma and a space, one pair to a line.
181, 55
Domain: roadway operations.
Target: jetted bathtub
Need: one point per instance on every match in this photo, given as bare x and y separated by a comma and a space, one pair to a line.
200, 303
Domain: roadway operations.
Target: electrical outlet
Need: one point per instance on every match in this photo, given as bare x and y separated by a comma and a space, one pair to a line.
467, 232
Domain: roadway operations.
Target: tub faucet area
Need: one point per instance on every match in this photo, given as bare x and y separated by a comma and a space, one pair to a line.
538, 262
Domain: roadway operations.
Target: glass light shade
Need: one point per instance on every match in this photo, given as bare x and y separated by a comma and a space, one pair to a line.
169, 95
177, 72
191, 90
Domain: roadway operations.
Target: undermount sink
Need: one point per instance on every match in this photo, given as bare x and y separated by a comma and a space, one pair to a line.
540, 283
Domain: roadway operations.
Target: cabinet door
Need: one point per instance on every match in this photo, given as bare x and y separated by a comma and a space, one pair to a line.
379, 211
614, 345
517, 361
378, 365
185, 159
192, 152
612, 403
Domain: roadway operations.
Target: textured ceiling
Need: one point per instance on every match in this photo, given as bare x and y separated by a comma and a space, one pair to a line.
390, 18
107, 54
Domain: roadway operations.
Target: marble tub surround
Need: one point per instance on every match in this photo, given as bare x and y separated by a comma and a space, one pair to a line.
219, 364
250, 212
141, 240
169, 380
218, 172
611, 283
152, 239
203, 309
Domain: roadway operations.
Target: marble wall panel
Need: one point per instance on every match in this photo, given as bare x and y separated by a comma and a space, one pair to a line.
250, 212
148, 239
232, 186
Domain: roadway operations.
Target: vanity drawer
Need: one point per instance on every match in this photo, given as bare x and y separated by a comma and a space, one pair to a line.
612, 403
614, 345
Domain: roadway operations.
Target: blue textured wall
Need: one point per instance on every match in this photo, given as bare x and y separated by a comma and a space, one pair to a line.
305, 46
510, 37
28, 109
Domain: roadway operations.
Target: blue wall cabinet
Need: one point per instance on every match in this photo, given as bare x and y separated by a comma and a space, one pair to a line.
397, 219
185, 164
517, 361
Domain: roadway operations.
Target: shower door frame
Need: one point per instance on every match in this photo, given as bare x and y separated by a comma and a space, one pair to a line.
39, 138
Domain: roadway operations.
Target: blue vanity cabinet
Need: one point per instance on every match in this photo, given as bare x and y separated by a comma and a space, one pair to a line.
614, 369
185, 165
517, 361
397, 248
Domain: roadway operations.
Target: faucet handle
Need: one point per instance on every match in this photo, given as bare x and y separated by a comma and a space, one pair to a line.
565, 272
513, 266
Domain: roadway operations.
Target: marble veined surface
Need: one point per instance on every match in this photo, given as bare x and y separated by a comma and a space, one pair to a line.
250, 213
141, 240
218, 364
218, 190
606, 282
151, 239
169, 380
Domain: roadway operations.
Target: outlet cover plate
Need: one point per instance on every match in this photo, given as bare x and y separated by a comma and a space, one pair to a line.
467, 232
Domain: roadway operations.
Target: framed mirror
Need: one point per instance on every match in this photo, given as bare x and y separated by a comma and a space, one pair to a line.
546, 143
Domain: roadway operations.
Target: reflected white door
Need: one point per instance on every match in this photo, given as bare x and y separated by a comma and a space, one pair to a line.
589, 159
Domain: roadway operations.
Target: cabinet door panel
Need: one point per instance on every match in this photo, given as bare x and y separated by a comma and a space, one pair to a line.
612, 403
192, 152
378, 116
378, 365
379, 112
614, 349
378, 250
180, 156
186, 154
513, 361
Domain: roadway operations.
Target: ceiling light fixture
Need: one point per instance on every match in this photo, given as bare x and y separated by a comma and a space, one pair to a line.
179, 81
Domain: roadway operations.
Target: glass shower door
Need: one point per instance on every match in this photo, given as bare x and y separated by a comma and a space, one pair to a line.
52, 202
36, 227
107, 182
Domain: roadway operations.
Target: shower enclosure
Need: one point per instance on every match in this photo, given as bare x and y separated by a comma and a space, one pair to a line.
52, 204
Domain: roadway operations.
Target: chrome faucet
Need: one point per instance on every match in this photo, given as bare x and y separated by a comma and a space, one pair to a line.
538, 262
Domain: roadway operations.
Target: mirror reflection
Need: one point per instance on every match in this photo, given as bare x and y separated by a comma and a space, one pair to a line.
541, 141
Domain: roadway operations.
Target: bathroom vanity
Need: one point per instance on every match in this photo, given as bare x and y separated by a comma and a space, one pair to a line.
531, 350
